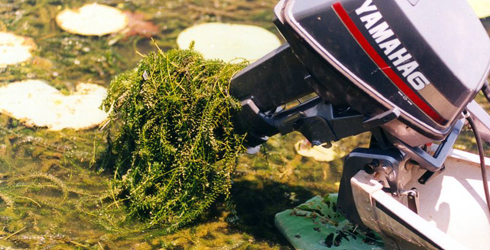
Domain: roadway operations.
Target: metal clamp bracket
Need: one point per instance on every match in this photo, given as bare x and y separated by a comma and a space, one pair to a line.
427, 161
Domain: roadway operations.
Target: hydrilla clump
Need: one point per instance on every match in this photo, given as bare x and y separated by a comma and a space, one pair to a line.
174, 148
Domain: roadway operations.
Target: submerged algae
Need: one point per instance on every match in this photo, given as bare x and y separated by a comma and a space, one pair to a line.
175, 150
89, 218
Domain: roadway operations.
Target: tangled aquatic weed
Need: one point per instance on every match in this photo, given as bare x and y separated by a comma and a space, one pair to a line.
175, 148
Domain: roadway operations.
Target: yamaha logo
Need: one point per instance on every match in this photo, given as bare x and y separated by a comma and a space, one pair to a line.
385, 38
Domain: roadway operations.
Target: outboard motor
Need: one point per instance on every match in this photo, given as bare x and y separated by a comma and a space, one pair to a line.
406, 70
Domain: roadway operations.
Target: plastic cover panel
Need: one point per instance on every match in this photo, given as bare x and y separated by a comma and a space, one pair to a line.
431, 52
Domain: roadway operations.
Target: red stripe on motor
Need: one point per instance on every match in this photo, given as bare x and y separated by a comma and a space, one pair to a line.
356, 33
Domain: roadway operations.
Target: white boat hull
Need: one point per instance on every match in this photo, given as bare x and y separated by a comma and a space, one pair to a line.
452, 211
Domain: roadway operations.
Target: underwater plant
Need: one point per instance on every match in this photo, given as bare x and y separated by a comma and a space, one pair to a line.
173, 146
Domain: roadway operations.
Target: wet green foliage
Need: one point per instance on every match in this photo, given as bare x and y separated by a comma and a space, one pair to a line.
84, 212
175, 149
52, 192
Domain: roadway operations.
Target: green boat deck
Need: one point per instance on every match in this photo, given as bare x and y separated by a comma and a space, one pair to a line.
316, 224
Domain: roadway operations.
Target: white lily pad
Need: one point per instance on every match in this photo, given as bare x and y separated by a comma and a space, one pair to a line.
37, 104
92, 20
14, 49
229, 42
481, 7
319, 153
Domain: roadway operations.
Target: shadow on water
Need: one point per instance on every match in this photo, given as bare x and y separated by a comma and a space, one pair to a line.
256, 204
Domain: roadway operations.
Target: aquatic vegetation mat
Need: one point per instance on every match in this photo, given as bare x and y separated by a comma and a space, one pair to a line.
173, 146
71, 206
89, 217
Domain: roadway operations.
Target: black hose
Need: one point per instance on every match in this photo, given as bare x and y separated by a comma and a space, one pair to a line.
482, 159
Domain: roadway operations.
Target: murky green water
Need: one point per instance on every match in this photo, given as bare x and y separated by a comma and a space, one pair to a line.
53, 194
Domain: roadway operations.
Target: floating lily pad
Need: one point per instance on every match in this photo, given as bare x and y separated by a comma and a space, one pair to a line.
319, 153
36, 103
14, 49
229, 42
92, 20
481, 7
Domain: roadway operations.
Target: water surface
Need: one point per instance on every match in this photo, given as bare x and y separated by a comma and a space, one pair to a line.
54, 195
